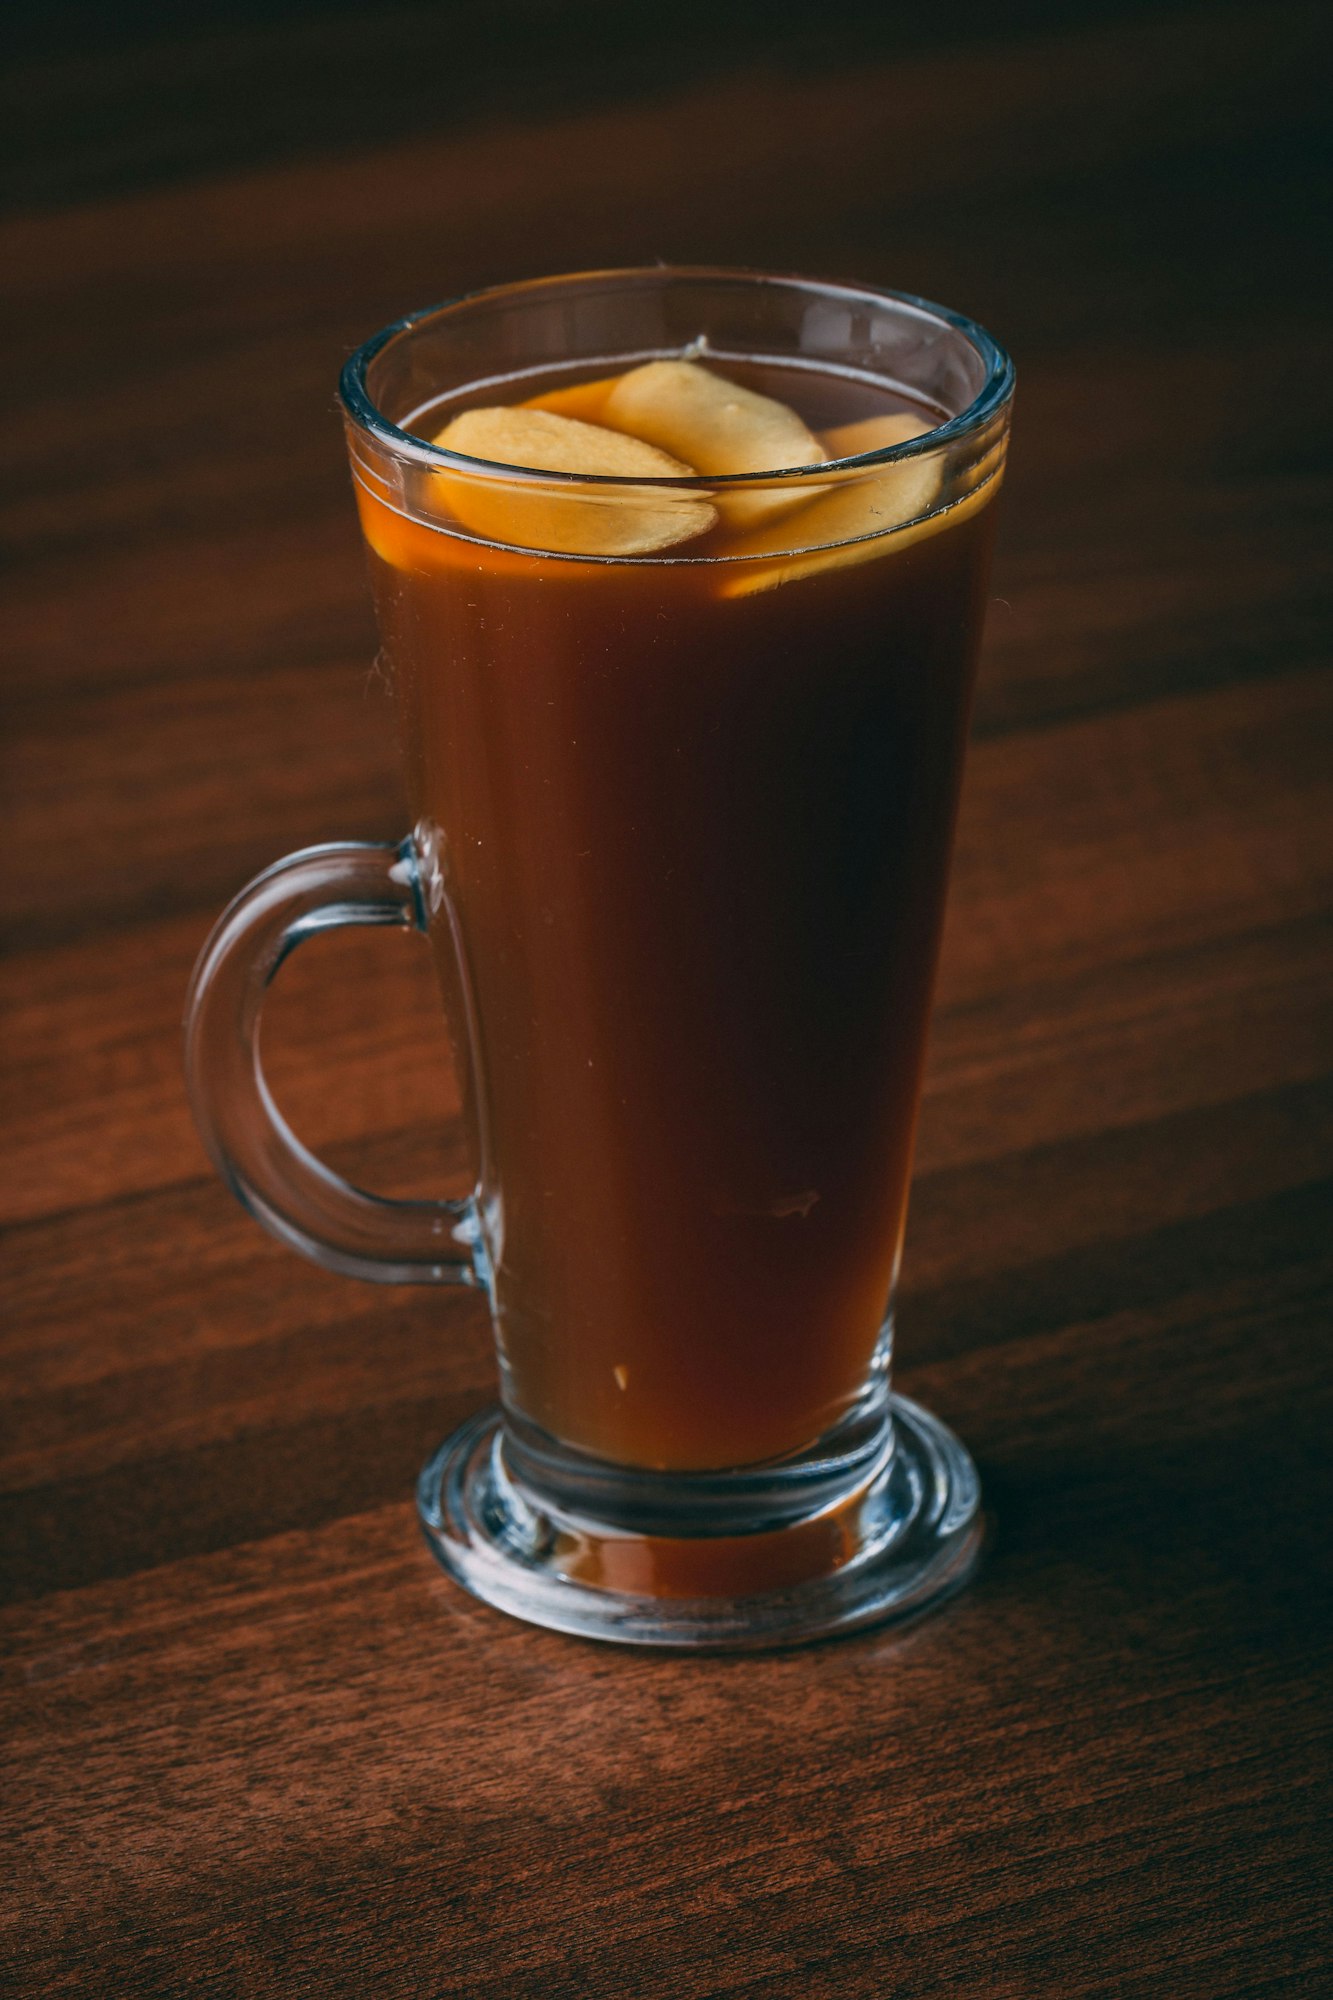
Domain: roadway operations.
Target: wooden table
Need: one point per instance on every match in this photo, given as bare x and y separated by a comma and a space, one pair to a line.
254, 1744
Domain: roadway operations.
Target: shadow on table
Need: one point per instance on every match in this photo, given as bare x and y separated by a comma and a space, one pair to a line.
1228, 1533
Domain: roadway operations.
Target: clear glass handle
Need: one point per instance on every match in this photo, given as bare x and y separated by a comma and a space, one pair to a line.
271, 1173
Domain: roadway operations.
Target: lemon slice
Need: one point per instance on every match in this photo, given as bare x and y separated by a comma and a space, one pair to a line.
563, 520
717, 426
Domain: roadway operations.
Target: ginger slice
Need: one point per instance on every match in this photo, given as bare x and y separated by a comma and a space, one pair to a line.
873, 434
585, 401
745, 579
829, 530
565, 520
718, 427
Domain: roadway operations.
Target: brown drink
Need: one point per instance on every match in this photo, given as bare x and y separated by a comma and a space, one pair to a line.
679, 574
694, 815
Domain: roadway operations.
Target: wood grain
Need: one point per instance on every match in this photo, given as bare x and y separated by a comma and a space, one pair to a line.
253, 1744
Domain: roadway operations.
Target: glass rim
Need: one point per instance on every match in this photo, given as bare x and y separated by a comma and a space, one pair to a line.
995, 391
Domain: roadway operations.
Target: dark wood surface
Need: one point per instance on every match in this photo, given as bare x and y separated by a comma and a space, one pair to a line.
253, 1743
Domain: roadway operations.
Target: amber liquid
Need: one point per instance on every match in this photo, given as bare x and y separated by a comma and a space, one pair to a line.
696, 849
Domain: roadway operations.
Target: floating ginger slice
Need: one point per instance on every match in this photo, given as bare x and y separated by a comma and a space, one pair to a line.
566, 520
873, 434
829, 528
718, 427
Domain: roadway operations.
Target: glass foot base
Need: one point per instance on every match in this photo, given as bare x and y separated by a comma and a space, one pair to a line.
906, 1540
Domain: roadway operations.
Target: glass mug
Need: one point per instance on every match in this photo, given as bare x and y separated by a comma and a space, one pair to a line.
683, 752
